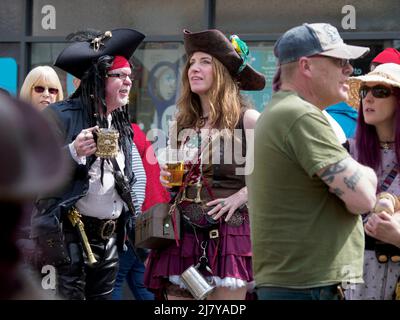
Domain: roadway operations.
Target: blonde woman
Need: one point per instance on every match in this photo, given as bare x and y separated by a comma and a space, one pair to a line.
42, 87
216, 231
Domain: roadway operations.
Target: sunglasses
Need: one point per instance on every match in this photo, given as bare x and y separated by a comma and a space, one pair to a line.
40, 89
121, 76
338, 61
378, 91
341, 62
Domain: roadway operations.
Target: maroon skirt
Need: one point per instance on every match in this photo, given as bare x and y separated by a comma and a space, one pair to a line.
229, 255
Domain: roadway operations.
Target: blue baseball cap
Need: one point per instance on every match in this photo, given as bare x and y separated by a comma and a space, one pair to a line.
315, 38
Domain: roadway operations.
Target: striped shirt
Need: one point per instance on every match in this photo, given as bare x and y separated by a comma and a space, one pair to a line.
139, 187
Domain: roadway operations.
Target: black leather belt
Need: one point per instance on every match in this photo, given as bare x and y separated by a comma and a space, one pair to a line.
95, 227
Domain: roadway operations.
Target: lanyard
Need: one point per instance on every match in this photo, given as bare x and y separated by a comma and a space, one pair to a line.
389, 178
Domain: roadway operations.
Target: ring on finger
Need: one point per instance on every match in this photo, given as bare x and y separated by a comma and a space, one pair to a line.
222, 203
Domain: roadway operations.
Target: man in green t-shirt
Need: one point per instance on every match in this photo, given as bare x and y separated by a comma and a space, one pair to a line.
306, 193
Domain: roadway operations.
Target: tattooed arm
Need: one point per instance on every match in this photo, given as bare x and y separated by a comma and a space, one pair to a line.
352, 182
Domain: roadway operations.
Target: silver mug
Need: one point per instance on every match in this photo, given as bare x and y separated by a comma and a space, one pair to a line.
198, 286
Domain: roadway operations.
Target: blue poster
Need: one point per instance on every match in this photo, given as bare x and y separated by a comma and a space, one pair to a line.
8, 75
70, 84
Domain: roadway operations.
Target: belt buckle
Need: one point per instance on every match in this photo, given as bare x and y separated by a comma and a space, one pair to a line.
107, 229
213, 234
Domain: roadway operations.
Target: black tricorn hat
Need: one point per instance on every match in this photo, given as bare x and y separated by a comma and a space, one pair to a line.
78, 57
216, 44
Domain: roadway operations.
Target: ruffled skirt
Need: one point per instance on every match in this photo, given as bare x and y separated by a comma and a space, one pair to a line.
229, 256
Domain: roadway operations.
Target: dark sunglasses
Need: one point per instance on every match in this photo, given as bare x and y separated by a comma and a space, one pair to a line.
377, 91
40, 89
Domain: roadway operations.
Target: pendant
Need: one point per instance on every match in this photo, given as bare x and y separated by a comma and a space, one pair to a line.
386, 145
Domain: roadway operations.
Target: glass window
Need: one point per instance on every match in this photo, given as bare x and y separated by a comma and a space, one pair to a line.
154, 93
362, 66
9, 59
151, 17
11, 13
276, 16
261, 59
396, 44
46, 54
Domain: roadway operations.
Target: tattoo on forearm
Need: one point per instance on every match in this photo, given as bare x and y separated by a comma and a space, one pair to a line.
353, 180
329, 174
338, 192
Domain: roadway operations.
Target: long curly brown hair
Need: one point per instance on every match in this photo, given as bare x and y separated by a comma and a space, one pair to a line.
226, 101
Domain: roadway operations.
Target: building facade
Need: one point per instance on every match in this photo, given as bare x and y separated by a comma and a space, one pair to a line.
32, 33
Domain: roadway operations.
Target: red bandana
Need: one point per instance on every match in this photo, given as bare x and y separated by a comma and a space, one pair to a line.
119, 62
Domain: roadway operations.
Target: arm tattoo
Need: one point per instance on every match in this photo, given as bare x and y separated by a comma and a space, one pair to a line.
329, 174
352, 181
338, 192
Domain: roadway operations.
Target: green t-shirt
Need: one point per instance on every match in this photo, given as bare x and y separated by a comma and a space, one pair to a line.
303, 236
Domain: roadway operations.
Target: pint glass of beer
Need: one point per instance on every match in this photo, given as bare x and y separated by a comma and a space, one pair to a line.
177, 169
174, 161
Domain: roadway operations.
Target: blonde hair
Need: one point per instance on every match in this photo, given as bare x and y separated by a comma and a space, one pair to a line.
225, 101
40, 74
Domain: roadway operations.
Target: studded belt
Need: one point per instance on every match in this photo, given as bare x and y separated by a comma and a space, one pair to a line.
197, 213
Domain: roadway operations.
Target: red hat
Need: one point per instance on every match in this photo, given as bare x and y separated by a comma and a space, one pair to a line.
389, 55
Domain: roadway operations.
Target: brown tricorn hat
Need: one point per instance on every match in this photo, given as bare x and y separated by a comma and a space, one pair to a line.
216, 44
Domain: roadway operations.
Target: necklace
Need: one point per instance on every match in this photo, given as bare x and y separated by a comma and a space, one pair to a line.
386, 145
203, 120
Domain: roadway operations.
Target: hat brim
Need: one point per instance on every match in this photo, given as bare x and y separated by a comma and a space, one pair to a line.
215, 43
346, 51
250, 79
31, 160
355, 84
79, 56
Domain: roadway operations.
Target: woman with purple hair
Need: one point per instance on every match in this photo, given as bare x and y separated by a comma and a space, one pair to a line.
377, 145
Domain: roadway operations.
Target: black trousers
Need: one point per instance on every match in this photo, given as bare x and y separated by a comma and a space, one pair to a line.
78, 280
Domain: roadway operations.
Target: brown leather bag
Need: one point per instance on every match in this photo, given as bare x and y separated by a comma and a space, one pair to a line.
154, 228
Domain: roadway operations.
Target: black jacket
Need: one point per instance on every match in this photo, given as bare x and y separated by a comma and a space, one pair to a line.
68, 119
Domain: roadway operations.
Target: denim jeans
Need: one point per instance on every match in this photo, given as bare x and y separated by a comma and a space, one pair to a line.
131, 268
320, 293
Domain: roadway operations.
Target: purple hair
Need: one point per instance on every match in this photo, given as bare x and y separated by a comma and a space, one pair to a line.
367, 140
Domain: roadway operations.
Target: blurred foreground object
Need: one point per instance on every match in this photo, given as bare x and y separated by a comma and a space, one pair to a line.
31, 163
